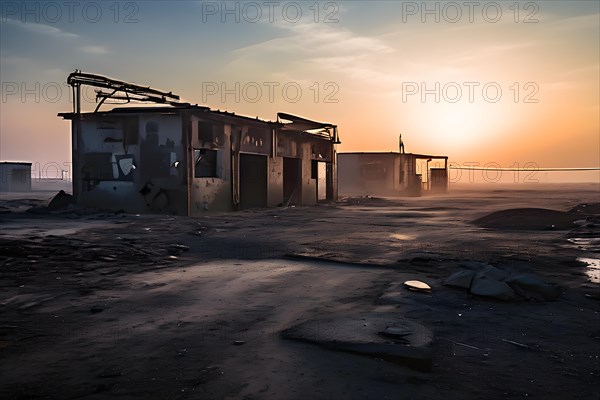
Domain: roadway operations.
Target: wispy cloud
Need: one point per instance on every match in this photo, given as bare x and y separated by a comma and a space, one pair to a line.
94, 49
317, 39
322, 47
483, 52
576, 22
583, 69
41, 29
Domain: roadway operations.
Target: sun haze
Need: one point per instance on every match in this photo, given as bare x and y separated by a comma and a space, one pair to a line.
503, 84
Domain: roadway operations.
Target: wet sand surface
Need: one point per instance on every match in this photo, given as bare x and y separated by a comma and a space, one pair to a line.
96, 304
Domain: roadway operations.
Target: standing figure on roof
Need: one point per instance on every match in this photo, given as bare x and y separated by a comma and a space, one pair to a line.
401, 144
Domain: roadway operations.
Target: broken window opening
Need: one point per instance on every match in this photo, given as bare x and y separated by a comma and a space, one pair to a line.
256, 141
210, 134
205, 132
205, 163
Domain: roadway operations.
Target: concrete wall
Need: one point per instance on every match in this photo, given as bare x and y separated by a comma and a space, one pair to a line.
275, 194
349, 181
300, 146
309, 184
152, 143
209, 194
15, 177
410, 182
438, 180
361, 174
188, 162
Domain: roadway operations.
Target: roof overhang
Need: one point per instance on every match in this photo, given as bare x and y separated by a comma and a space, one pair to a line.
302, 124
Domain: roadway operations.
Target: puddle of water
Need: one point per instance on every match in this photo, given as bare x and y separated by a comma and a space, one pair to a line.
402, 236
593, 268
591, 241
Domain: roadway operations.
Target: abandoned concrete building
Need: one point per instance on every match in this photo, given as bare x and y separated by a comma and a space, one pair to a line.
15, 176
391, 174
187, 159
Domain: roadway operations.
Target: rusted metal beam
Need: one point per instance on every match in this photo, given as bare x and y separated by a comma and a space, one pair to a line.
118, 90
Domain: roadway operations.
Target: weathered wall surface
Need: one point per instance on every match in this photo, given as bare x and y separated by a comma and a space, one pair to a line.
307, 149
210, 193
349, 178
410, 182
438, 180
275, 181
368, 174
163, 163
192, 162
133, 162
15, 177
309, 184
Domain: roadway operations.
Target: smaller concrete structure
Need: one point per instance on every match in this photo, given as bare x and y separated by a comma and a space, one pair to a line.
391, 174
15, 176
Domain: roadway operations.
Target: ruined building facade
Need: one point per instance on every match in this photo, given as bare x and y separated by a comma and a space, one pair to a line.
187, 160
391, 174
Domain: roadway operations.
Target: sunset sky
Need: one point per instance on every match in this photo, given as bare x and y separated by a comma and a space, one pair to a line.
504, 82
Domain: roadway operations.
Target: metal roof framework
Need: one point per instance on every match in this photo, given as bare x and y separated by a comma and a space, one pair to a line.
117, 90
112, 89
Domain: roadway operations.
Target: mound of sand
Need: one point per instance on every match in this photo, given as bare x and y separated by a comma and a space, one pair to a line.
527, 219
586, 209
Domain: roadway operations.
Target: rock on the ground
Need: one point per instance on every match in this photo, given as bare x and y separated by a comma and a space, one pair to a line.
61, 201
486, 280
489, 287
530, 287
460, 279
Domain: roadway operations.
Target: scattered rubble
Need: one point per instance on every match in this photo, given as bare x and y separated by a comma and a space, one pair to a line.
61, 201
488, 281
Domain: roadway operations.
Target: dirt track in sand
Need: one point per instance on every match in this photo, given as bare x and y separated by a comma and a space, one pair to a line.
107, 305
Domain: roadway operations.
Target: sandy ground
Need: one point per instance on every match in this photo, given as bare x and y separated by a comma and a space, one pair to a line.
96, 304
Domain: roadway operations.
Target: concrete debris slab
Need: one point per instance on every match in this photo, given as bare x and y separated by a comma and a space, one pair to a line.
531, 287
61, 201
490, 272
486, 280
396, 331
383, 335
461, 279
489, 287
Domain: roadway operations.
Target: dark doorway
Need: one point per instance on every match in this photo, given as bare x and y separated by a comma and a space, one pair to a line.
253, 181
292, 181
